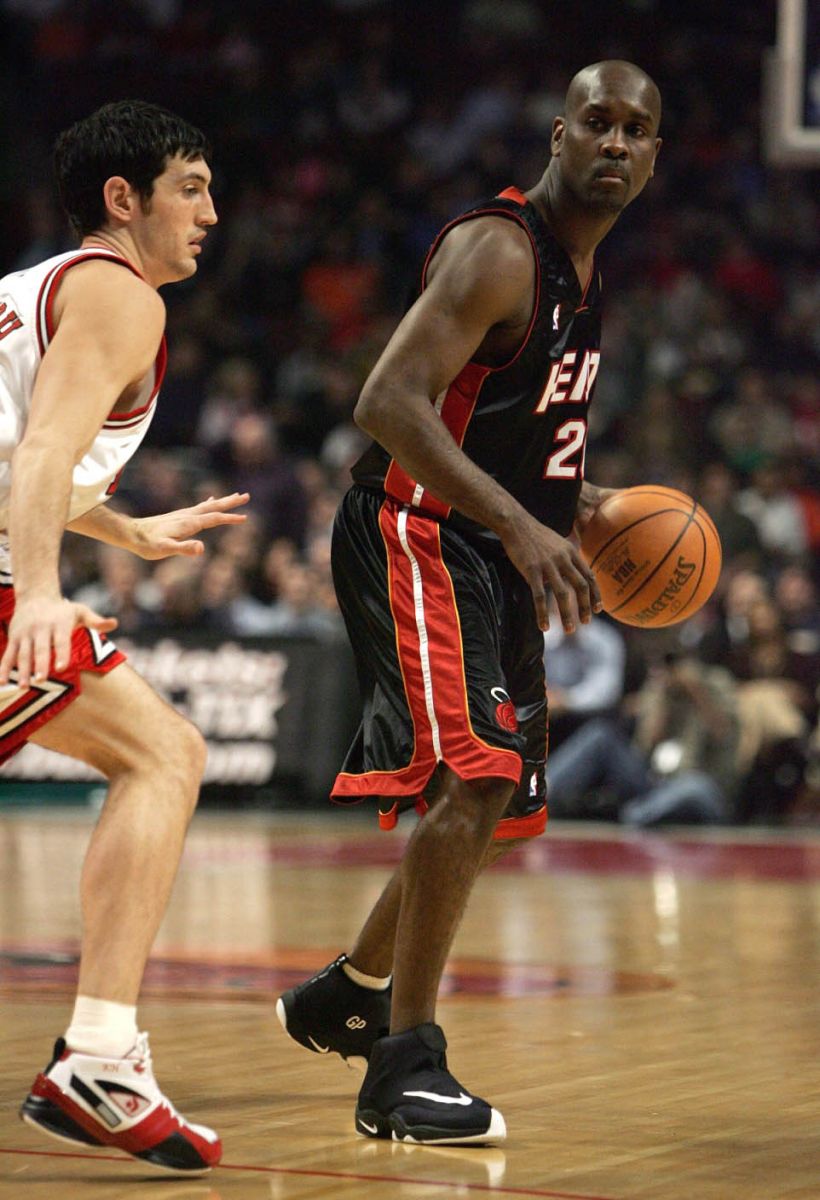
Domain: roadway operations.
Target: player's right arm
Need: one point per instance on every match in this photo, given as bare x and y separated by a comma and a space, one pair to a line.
483, 280
109, 328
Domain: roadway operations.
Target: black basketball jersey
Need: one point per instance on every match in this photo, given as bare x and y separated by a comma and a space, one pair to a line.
523, 422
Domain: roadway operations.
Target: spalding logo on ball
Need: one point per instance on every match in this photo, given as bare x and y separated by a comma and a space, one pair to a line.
655, 554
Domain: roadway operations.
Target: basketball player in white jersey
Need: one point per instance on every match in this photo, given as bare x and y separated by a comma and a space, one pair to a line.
82, 355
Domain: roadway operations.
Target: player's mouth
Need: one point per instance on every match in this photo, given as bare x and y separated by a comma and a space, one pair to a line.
611, 175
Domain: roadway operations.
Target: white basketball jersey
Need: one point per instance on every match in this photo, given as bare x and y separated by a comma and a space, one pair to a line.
26, 328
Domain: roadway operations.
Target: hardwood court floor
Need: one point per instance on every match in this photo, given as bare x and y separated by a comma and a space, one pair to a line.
643, 1008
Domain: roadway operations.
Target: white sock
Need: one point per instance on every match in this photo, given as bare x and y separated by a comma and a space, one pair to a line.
369, 981
102, 1027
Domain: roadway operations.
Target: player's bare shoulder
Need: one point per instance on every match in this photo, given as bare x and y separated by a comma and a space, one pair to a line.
487, 256
110, 296
488, 247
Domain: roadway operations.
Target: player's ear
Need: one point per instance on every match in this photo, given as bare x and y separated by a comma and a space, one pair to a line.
658, 144
558, 126
120, 199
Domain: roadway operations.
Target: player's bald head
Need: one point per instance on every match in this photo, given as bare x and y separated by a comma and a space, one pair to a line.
615, 77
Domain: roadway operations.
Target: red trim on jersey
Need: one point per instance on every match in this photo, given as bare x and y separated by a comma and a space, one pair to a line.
390, 819
115, 420
532, 825
456, 413
515, 194
445, 687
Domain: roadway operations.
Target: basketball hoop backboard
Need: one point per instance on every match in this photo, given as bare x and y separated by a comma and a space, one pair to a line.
791, 115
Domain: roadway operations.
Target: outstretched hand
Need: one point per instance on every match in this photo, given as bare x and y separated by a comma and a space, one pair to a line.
175, 532
42, 628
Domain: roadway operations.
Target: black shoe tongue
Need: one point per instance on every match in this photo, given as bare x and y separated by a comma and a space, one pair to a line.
432, 1036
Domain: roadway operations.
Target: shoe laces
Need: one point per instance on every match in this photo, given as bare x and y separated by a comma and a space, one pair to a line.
142, 1051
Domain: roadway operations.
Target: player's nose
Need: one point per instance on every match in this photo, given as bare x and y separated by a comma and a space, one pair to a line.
614, 144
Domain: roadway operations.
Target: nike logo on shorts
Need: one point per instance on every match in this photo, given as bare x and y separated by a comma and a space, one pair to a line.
316, 1046
462, 1099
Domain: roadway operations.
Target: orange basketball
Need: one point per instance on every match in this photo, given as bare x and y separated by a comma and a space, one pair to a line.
655, 554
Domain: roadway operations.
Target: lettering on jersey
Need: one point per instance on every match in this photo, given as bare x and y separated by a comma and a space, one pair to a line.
9, 321
569, 383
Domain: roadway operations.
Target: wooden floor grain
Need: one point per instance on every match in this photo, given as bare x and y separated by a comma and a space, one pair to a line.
642, 1008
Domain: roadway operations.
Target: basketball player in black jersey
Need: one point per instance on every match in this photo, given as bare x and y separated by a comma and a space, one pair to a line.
445, 550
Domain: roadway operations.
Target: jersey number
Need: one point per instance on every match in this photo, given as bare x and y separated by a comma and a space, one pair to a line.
568, 460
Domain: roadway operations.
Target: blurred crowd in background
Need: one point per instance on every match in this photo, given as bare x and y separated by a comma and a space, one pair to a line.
345, 133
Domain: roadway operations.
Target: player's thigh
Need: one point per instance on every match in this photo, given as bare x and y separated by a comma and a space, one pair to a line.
118, 722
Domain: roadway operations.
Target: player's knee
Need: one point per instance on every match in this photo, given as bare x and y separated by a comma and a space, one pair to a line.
189, 751
174, 754
479, 801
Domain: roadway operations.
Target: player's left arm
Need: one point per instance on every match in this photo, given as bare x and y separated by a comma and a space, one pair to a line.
163, 535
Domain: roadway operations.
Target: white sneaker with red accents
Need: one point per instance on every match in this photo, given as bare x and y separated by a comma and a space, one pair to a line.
117, 1102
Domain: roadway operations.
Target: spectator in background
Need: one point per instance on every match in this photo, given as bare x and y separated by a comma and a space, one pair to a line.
122, 590
279, 556
297, 611
179, 606
341, 288
156, 482
796, 595
232, 391
775, 511
228, 606
585, 674
277, 495
739, 538
740, 590
753, 426
182, 393
682, 766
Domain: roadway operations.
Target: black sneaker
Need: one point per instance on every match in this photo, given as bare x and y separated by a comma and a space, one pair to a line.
408, 1094
330, 1014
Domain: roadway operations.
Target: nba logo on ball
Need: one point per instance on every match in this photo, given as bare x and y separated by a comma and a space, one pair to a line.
655, 554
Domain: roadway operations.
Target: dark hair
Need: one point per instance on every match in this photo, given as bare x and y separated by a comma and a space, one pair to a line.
128, 138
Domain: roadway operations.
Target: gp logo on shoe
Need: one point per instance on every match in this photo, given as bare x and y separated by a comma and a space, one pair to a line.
355, 1022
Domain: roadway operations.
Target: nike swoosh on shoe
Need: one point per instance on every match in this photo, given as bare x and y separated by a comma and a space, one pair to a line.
370, 1128
316, 1046
462, 1099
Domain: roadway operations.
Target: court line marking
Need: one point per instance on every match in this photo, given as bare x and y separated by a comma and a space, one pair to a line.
313, 1174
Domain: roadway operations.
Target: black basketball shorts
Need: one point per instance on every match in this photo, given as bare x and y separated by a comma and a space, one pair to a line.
450, 663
